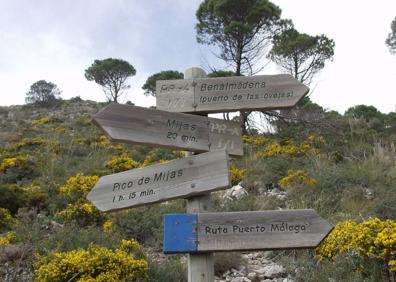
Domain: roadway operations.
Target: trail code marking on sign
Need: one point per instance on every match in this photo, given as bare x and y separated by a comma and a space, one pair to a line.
139, 125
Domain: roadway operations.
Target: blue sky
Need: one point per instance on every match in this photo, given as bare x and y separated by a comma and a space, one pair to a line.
58, 40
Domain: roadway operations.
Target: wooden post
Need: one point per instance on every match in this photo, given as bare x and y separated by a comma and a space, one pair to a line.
200, 266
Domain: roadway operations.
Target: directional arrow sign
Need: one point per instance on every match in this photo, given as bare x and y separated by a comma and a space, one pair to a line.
256, 230
225, 94
161, 182
173, 130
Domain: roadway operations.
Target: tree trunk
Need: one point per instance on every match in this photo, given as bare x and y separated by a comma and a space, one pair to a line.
242, 115
244, 118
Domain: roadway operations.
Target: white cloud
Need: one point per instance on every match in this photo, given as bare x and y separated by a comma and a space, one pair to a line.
58, 40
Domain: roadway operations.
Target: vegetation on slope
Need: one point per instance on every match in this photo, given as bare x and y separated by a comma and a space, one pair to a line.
343, 166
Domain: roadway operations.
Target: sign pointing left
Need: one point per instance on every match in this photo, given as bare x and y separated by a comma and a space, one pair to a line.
143, 126
161, 182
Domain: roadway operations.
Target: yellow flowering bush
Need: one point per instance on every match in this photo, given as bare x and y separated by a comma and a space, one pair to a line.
29, 142
81, 212
94, 264
17, 161
372, 239
108, 226
60, 130
84, 122
80, 141
119, 148
289, 149
6, 239
270, 148
79, 184
148, 162
160, 155
236, 174
41, 121
255, 140
121, 164
101, 141
318, 140
97, 142
132, 247
296, 178
6, 220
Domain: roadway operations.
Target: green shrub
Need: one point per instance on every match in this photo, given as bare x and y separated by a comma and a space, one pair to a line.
14, 197
171, 270
11, 197
145, 223
306, 268
6, 220
226, 261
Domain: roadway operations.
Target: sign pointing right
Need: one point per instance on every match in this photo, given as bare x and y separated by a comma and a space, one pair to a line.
254, 230
226, 94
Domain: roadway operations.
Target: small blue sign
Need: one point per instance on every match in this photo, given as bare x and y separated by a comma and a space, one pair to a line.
180, 235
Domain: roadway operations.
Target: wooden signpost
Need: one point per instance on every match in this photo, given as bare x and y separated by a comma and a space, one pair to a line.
225, 94
255, 230
139, 125
180, 178
199, 232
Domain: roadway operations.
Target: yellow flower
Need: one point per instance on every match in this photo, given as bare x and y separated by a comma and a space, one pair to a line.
41, 121
7, 238
6, 219
255, 140
375, 239
295, 178
81, 212
60, 130
237, 174
290, 148
121, 164
130, 246
108, 226
79, 184
17, 161
93, 264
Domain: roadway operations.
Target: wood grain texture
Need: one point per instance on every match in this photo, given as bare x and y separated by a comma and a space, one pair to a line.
260, 230
225, 94
137, 125
180, 178
200, 267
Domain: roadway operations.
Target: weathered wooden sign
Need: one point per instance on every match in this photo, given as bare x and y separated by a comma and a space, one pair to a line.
224, 94
256, 230
173, 130
161, 182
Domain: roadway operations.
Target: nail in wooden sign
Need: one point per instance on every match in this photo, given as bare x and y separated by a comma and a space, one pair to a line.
255, 230
225, 94
180, 178
144, 126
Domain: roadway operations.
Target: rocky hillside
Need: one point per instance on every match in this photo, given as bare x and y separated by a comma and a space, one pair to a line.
343, 166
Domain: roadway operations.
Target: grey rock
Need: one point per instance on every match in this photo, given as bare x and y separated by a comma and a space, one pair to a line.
274, 271
252, 275
236, 192
241, 279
